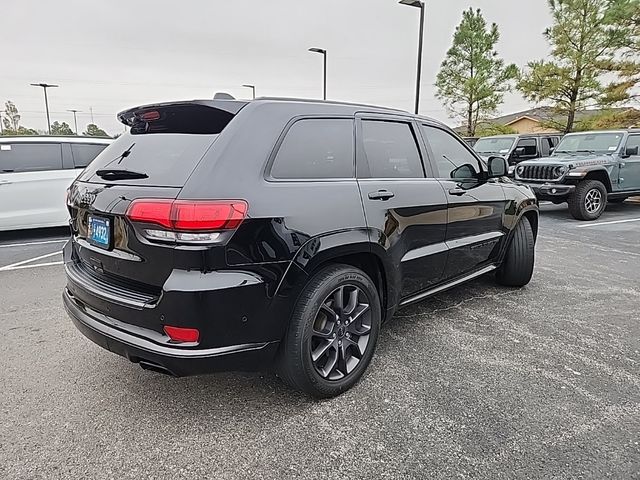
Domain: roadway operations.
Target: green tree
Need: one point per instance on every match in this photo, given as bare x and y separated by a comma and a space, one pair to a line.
584, 41
20, 131
472, 79
11, 117
624, 15
487, 129
61, 129
94, 131
610, 120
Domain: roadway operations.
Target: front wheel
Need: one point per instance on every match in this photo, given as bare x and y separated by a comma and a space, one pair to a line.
517, 267
333, 332
588, 200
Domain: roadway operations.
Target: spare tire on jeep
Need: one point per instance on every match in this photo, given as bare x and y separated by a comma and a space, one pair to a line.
588, 200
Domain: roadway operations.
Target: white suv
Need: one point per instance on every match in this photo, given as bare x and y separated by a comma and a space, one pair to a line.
35, 173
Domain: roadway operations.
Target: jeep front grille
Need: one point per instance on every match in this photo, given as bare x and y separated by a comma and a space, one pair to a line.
539, 172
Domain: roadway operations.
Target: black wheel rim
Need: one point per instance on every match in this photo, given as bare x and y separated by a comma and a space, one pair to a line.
341, 330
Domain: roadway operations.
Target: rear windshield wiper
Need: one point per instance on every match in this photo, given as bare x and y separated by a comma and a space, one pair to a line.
116, 174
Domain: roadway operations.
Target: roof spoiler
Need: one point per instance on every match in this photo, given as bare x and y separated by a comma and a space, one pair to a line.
134, 115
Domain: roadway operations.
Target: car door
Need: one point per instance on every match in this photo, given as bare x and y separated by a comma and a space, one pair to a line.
32, 185
525, 149
630, 166
476, 207
405, 207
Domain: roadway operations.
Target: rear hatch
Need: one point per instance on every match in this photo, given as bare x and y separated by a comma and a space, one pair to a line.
129, 231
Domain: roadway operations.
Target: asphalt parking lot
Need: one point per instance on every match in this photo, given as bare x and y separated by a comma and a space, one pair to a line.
478, 382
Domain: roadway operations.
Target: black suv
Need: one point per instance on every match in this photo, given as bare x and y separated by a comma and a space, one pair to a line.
232, 235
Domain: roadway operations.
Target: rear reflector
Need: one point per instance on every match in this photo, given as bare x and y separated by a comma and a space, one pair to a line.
180, 334
189, 216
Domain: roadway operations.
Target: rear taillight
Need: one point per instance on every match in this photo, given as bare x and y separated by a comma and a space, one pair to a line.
181, 334
188, 221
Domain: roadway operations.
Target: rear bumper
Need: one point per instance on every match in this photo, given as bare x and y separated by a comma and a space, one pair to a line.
130, 342
551, 191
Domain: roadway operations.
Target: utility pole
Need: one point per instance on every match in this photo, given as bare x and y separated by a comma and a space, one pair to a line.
323, 52
46, 101
75, 120
91, 111
253, 89
419, 4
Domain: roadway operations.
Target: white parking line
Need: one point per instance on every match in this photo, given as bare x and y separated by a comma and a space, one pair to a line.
608, 223
21, 264
32, 243
20, 267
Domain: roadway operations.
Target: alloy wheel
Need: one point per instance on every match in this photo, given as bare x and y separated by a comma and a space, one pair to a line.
341, 332
593, 200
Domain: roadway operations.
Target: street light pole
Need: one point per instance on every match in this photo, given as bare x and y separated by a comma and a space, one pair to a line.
419, 4
46, 101
324, 70
75, 121
253, 89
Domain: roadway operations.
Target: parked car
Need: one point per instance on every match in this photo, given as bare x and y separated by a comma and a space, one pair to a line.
587, 170
471, 141
516, 148
35, 173
231, 235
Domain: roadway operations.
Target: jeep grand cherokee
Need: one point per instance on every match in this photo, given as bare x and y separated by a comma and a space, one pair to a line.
228, 235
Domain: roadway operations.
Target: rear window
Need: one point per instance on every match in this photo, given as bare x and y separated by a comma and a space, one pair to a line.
167, 159
316, 149
30, 157
83, 154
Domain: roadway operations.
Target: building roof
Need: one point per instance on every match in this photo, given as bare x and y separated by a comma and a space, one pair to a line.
542, 114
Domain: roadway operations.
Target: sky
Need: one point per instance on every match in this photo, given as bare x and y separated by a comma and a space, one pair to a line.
111, 55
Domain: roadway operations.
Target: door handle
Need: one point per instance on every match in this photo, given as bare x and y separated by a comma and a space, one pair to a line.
381, 195
457, 191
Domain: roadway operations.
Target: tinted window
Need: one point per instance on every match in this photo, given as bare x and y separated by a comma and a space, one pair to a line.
529, 146
83, 154
633, 141
316, 148
166, 158
391, 150
449, 154
30, 157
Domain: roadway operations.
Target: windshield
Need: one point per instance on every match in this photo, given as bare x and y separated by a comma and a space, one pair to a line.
494, 145
589, 143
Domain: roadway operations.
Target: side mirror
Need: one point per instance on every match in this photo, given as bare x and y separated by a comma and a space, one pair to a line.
518, 152
631, 151
497, 167
464, 171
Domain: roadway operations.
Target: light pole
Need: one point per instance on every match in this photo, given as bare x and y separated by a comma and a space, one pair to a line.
75, 121
324, 70
46, 101
421, 6
253, 89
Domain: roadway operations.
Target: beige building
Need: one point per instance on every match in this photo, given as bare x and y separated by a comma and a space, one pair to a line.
543, 119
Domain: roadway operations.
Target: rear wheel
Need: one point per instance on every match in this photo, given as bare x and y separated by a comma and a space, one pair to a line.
333, 332
517, 267
588, 200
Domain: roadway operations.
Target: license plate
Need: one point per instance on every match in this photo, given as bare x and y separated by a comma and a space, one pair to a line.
99, 231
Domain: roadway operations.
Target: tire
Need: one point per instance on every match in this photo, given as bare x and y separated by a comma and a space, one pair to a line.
582, 202
517, 267
312, 331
